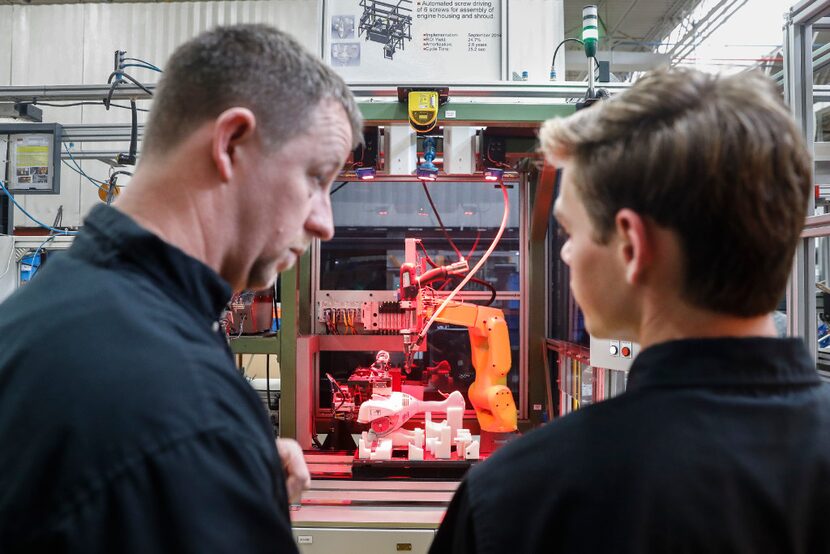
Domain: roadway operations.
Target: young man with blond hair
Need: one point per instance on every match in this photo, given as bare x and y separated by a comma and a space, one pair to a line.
682, 199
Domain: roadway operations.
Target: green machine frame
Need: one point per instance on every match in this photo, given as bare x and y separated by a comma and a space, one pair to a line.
543, 102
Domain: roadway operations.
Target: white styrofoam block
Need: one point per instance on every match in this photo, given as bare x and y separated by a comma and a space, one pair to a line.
415, 453
455, 418
401, 438
462, 440
444, 444
431, 445
429, 428
433, 430
363, 451
472, 451
386, 446
383, 451
418, 439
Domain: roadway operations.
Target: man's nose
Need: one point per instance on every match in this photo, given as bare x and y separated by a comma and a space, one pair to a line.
321, 221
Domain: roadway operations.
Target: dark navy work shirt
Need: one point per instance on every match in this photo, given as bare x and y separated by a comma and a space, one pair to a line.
718, 445
124, 424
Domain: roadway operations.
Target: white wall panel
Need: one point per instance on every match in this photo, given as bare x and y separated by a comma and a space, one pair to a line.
48, 48
74, 43
535, 27
6, 28
143, 31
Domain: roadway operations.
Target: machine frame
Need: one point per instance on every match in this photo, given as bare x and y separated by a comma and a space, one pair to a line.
802, 21
309, 346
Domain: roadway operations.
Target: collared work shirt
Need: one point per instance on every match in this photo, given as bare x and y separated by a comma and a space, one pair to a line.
718, 445
124, 424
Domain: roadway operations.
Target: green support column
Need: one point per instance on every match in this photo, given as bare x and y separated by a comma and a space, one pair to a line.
295, 295
304, 288
288, 353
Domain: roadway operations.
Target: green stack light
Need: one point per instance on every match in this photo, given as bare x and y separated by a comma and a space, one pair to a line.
590, 30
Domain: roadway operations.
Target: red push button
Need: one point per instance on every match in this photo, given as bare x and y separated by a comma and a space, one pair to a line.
626, 351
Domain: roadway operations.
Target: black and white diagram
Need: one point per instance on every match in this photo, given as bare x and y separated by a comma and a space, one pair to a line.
389, 24
405, 39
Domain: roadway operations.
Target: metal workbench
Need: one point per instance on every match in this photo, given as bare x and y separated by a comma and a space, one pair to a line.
347, 516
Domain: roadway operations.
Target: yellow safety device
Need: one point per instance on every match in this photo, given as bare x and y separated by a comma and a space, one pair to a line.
423, 110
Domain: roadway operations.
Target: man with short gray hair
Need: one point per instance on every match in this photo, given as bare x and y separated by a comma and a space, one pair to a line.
124, 423
682, 200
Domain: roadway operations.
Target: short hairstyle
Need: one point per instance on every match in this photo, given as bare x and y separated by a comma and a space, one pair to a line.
718, 160
252, 66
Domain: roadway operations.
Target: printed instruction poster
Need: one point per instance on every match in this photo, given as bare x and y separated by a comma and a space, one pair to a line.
414, 40
31, 162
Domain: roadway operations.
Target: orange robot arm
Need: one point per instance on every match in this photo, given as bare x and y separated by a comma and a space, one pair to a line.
490, 346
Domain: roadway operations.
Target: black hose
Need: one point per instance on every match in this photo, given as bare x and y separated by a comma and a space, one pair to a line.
136, 83
440, 222
553, 62
340, 186
475, 245
478, 281
426, 255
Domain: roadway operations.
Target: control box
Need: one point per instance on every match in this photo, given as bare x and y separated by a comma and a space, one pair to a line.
614, 354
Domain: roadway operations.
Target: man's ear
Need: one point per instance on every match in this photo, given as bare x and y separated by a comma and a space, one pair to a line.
233, 127
636, 244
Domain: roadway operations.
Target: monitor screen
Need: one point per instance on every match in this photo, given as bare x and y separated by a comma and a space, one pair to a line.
32, 152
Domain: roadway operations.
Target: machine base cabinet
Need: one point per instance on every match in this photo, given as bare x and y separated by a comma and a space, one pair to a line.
325, 540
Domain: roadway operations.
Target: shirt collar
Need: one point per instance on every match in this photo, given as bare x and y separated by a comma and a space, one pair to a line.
110, 237
723, 362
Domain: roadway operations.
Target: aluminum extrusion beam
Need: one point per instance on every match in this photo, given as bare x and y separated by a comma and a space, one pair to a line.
821, 56
798, 92
816, 226
109, 157
92, 154
495, 89
71, 93
821, 93
621, 60
808, 11
33, 241
99, 133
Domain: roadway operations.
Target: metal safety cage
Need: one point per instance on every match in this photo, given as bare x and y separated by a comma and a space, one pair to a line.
320, 295
802, 21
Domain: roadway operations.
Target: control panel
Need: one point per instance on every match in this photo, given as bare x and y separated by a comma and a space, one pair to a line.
613, 353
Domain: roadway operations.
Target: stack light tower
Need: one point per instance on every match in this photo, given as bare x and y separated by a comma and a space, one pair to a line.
590, 37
